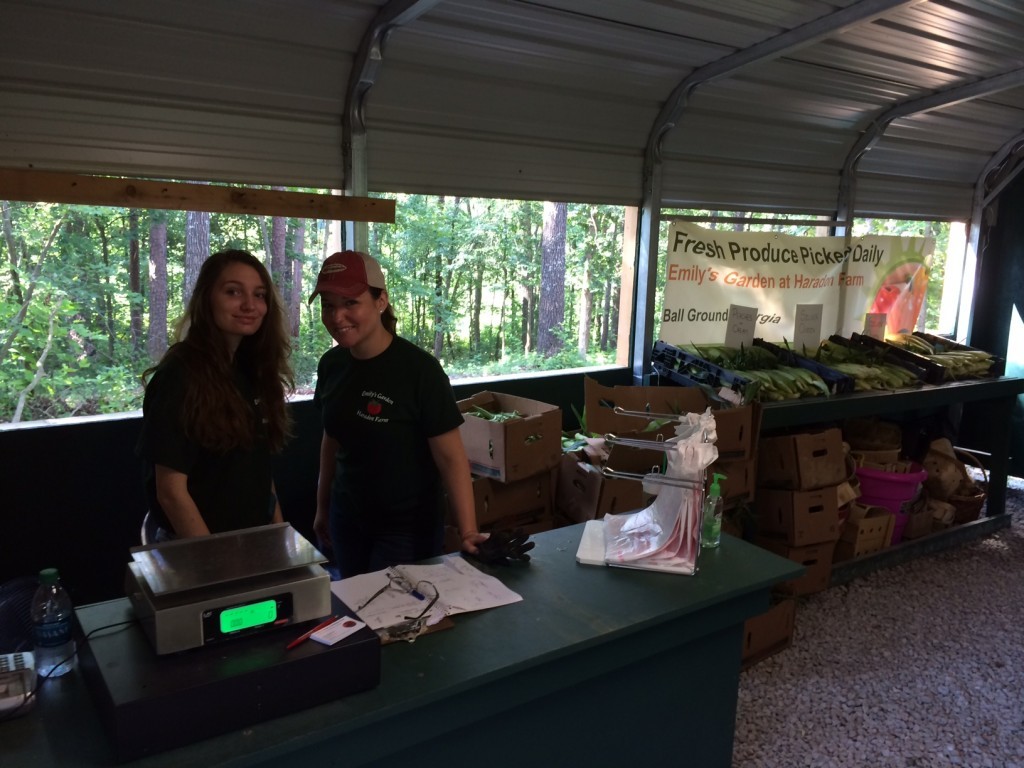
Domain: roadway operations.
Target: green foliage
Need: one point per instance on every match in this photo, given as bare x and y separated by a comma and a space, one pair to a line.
463, 278
458, 271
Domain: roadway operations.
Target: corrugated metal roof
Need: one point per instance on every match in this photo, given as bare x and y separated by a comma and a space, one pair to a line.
515, 98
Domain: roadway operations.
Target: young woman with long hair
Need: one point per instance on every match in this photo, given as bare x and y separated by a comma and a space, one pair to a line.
214, 409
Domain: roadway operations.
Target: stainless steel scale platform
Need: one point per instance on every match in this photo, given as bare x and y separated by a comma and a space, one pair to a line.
188, 593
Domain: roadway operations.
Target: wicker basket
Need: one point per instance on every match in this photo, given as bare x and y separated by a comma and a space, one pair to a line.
946, 472
872, 435
970, 496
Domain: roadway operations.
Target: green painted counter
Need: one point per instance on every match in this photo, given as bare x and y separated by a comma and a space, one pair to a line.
596, 666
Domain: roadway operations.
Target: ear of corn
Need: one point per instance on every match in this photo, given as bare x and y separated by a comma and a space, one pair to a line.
769, 379
866, 369
959, 363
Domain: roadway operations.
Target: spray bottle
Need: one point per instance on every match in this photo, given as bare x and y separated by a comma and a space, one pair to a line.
711, 533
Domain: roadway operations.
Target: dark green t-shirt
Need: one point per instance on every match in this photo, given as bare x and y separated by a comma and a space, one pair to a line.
382, 411
232, 490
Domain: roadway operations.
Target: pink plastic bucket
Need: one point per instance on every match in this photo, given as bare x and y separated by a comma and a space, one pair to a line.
891, 490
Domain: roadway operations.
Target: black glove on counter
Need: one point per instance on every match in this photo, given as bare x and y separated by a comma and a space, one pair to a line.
504, 546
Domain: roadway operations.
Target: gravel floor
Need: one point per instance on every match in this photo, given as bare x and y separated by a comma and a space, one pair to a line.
914, 666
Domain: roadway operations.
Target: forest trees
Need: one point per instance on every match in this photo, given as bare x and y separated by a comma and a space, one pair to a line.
90, 296
552, 280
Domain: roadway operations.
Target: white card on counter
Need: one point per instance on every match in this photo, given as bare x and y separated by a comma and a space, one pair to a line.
740, 330
339, 630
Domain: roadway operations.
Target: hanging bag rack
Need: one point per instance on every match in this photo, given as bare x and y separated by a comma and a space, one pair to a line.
634, 442
620, 411
657, 478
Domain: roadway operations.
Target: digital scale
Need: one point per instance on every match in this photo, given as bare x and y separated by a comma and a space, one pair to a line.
189, 593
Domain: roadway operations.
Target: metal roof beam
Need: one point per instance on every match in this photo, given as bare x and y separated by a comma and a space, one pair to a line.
866, 10
1007, 160
875, 131
650, 222
365, 69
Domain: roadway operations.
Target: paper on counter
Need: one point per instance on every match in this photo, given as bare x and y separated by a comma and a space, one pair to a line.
460, 587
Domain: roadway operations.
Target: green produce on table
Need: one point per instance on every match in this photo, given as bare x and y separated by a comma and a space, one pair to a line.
483, 413
744, 358
786, 383
868, 371
769, 379
959, 363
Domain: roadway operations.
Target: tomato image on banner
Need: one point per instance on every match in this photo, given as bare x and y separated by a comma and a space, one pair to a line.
901, 296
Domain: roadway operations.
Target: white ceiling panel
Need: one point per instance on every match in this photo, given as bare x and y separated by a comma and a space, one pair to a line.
519, 98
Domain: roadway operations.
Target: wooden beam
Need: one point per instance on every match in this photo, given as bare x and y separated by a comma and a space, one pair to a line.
52, 187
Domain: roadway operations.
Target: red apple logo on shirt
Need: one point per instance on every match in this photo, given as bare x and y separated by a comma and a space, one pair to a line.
373, 408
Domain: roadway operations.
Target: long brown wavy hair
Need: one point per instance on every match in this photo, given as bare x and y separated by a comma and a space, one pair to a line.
214, 413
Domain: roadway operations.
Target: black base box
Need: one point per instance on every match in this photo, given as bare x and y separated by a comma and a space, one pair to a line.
151, 703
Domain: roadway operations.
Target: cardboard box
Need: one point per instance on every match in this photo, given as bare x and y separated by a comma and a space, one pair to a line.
803, 462
585, 494
737, 427
815, 558
739, 483
867, 530
511, 450
509, 505
803, 517
769, 633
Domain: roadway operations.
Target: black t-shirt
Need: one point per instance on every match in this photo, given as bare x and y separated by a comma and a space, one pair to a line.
232, 490
382, 411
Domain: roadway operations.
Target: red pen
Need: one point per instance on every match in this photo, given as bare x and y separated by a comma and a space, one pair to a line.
306, 635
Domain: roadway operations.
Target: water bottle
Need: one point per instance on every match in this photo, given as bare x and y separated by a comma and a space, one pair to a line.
711, 532
51, 626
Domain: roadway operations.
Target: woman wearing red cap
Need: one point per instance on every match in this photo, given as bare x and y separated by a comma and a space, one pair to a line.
391, 438
214, 410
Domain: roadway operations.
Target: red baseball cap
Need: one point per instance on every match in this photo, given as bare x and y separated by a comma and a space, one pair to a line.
349, 274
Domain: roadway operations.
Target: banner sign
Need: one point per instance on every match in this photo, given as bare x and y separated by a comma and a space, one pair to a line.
710, 270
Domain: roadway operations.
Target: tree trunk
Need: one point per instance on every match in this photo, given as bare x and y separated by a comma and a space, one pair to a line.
7, 224
499, 340
441, 277
294, 299
197, 249
265, 237
606, 311
156, 339
134, 281
438, 345
586, 295
528, 334
14, 326
476, 307
278, 245
105, 301
552, 279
